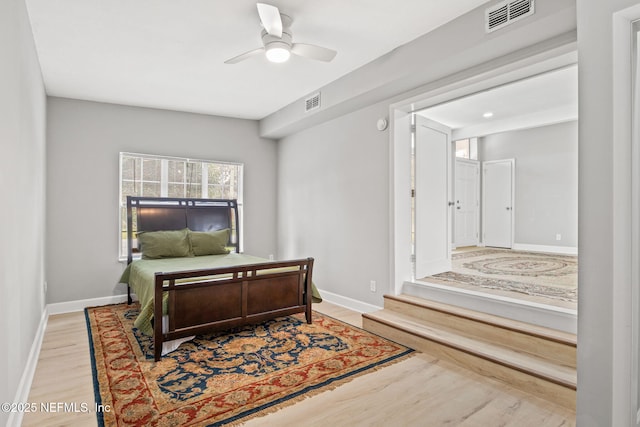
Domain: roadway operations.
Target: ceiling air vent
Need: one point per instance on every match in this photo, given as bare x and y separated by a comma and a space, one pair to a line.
312, 103
507, 12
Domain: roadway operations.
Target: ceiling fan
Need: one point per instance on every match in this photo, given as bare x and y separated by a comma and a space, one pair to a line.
277, 40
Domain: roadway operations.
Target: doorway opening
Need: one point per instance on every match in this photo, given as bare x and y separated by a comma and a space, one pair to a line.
508, 212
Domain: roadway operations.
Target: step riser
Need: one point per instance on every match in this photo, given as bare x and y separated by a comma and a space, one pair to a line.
542, 388
551, 350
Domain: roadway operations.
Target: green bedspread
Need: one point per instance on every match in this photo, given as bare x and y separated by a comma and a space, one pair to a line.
140, 275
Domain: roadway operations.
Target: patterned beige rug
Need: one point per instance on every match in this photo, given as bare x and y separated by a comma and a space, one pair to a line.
531, 273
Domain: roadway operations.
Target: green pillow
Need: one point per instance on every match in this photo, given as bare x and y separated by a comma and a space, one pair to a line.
164, 244
209, 242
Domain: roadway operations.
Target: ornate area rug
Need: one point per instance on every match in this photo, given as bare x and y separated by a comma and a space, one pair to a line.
223, 378
532, 273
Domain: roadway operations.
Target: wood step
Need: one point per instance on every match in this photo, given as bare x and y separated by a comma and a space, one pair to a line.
479, 350
546, 343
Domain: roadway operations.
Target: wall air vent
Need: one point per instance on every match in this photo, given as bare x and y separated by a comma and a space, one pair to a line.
507, 12
312, 103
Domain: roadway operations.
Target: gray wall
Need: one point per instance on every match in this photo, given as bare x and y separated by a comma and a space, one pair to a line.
546, 178
22, 164
333, 183
348, 230
82, 183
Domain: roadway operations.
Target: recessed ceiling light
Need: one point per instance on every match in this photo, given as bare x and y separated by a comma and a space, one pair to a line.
487, 115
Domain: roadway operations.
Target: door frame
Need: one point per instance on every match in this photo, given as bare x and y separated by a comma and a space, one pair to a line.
512, 163
559, 53
626, 217
555, 54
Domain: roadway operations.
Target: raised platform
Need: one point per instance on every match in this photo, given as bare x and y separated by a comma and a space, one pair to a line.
554, 317
535, 359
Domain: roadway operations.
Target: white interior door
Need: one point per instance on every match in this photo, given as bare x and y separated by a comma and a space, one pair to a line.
432, 197
497, 203
467, 202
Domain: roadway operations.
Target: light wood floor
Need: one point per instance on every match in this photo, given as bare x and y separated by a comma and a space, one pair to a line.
419, 391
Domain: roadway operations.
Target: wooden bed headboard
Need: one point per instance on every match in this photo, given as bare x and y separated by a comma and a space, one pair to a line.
166, 213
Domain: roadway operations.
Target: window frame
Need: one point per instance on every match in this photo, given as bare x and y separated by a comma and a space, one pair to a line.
164, 188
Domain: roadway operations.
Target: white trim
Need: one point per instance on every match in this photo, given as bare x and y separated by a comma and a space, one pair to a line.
401, 263
563, 319
625, 227
553, 54
164, 184
350, 303
79, 305
563, 250
24, 387
544, 57
635, 228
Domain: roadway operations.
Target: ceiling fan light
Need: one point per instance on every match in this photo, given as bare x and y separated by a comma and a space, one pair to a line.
278, 53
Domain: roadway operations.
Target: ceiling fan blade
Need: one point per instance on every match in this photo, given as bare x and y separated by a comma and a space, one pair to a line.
244, 56
314, 52
270, 18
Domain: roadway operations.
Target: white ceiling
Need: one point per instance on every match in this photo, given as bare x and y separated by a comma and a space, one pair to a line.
170, 54
541, 100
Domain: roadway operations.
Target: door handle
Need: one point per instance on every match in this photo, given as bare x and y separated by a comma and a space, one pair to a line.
508, 208
457, 207
451, 203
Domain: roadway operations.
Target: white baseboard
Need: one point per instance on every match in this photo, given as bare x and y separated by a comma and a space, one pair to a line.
79, 305
22, 394
563, 250
350, 303
24, 387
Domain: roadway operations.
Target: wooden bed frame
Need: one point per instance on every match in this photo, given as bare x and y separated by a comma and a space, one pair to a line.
247, 294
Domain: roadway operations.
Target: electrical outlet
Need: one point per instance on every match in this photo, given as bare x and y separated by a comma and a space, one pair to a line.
44, 286
270, 257
558, 237
372, 286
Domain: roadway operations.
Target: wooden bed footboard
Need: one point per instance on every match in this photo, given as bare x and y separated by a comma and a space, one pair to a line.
222, 298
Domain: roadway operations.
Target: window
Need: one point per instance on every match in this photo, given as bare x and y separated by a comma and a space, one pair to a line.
467, 148
160, 176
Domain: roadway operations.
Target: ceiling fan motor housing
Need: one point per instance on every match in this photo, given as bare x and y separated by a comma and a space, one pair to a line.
284, 42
